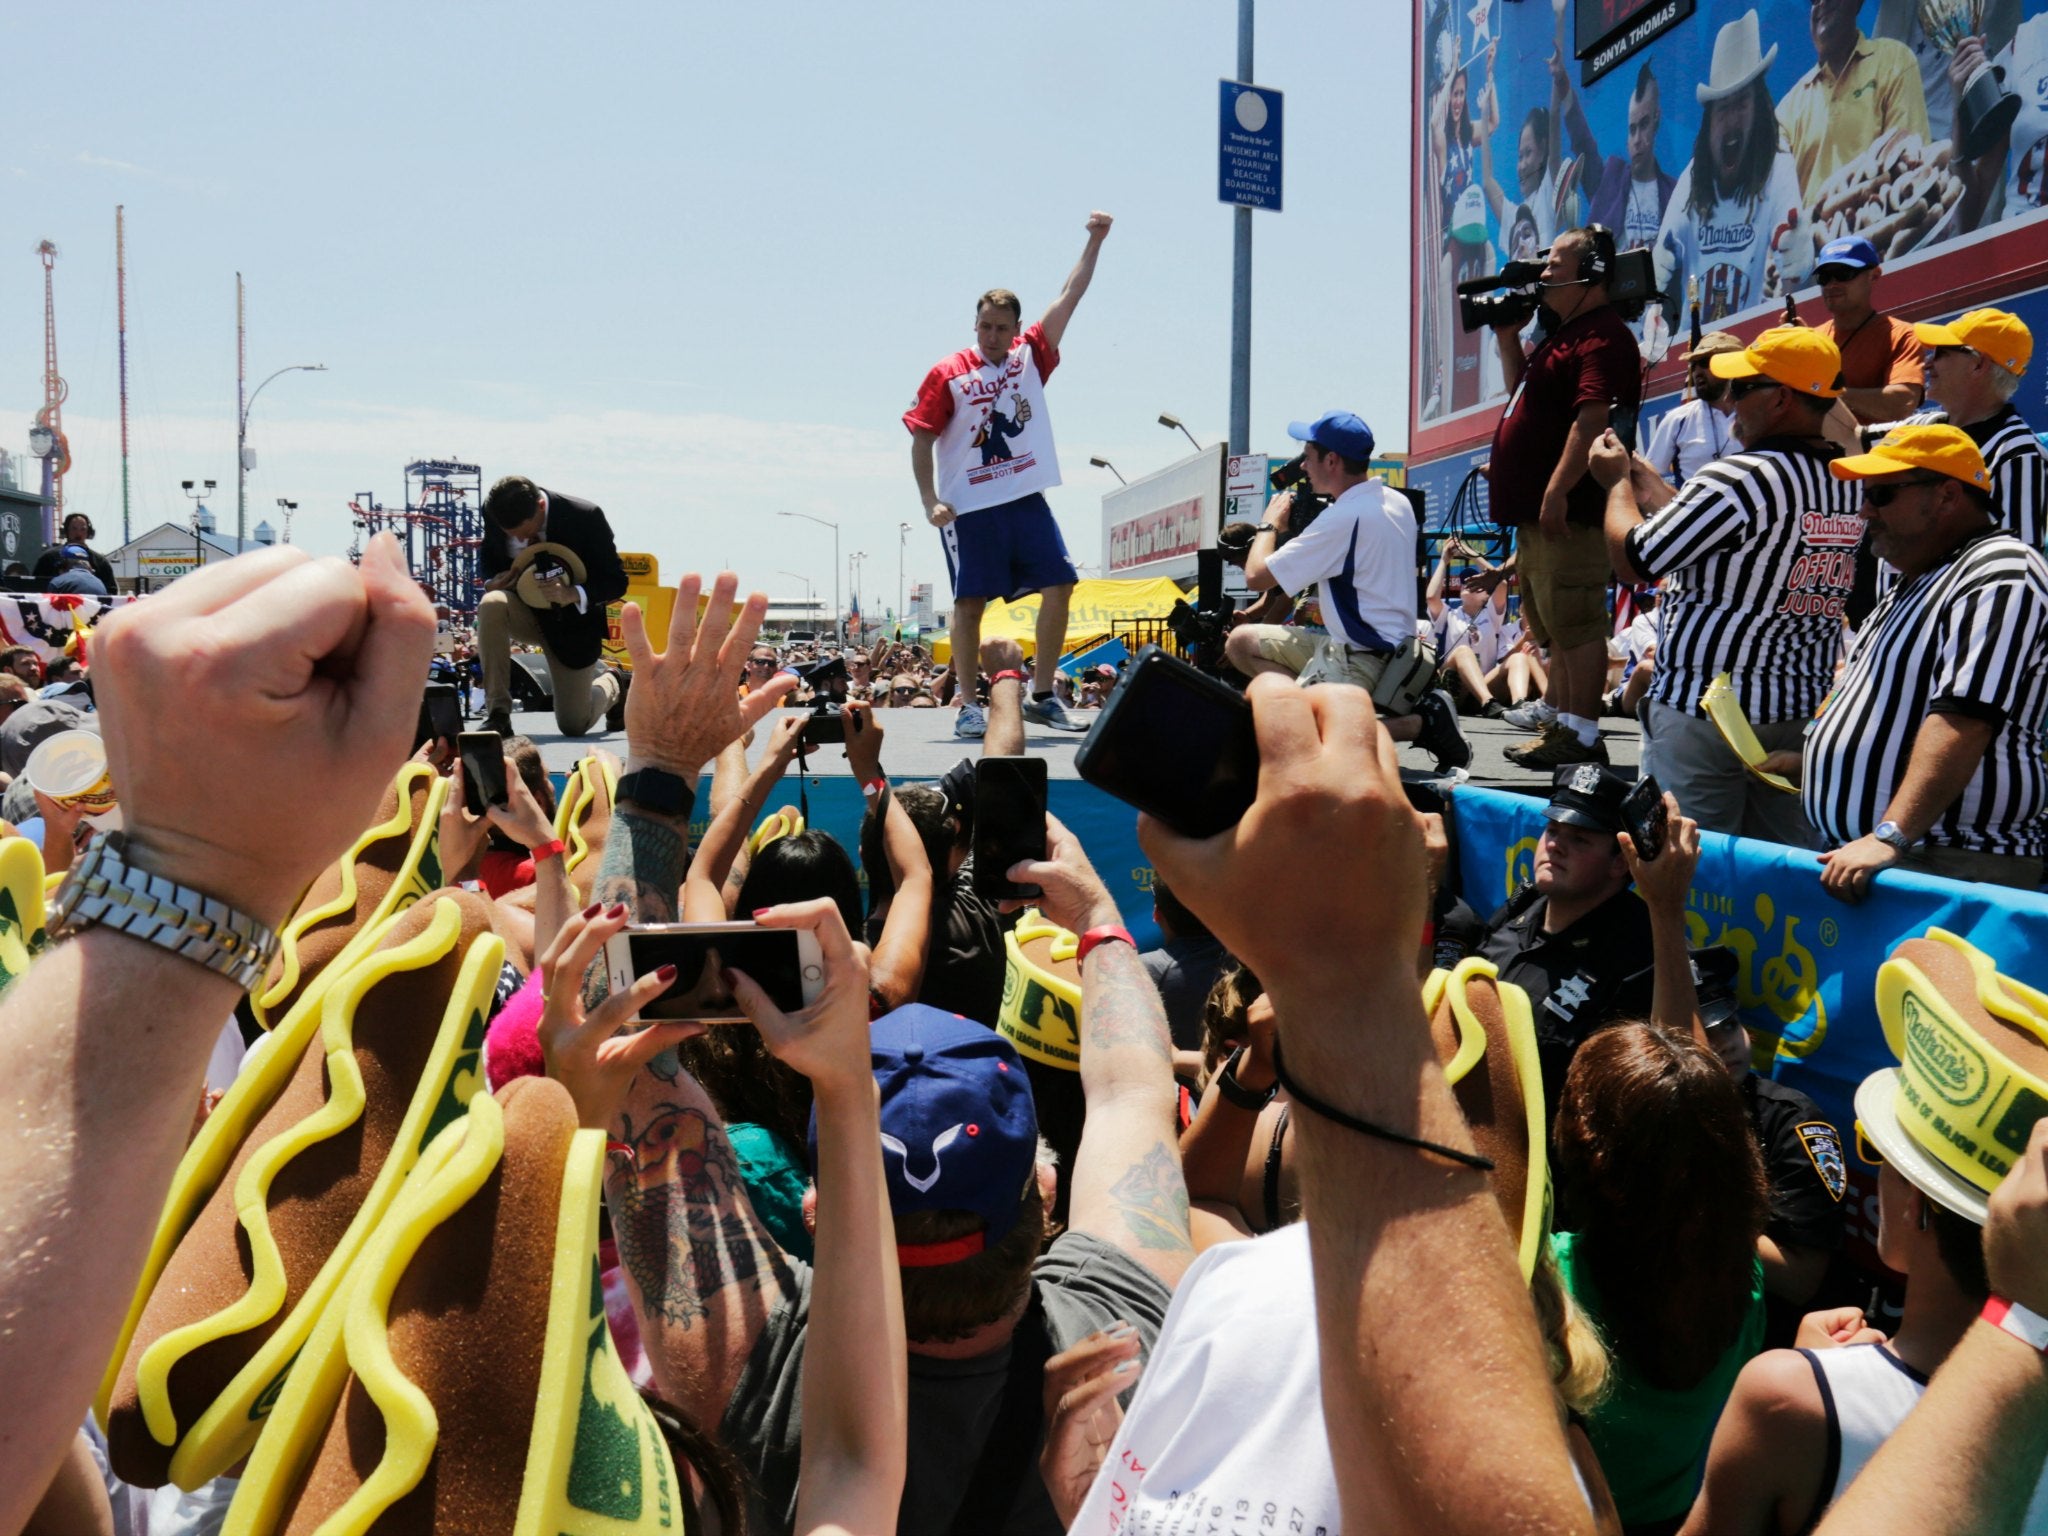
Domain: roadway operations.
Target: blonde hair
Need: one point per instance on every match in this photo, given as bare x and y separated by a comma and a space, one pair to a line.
1572, 1346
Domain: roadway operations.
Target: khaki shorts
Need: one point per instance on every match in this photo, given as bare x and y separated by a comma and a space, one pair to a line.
1317, 658
1564, 585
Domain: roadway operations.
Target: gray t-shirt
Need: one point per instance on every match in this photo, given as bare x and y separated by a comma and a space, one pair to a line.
1083, 1284
1184, 970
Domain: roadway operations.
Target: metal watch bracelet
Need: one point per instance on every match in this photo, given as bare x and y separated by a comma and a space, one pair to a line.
101, 887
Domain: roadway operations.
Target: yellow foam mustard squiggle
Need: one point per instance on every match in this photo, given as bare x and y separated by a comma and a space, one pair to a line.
579, 804
23, 894
401, 824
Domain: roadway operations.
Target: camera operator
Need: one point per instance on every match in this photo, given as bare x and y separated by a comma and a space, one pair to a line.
1361, 551
1585, 371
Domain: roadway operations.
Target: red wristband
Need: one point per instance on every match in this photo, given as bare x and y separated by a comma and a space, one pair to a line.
1103, 935
874, 786
2023, 1323
1005, 675
549, 850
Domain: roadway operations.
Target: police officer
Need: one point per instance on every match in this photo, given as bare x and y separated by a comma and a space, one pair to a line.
1802, 1156
1575, 937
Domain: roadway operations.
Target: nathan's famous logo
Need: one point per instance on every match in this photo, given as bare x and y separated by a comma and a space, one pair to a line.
1785, 985
1949, 1064
1841, 530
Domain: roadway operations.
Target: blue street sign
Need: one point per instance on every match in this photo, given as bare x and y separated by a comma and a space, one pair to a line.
1248, 146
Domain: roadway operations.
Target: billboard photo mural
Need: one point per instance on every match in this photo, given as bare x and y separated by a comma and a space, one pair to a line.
1730, 138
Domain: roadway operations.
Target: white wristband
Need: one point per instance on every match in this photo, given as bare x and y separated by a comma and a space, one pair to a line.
2021, 1322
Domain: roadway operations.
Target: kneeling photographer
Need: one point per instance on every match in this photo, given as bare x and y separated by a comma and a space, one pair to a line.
1361, 553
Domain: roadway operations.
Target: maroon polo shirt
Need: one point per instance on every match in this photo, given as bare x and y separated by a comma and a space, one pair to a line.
1590, 359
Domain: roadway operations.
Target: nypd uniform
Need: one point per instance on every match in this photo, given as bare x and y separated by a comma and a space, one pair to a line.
1590, 974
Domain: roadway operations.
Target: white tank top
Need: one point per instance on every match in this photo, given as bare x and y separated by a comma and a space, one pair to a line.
1868, 1391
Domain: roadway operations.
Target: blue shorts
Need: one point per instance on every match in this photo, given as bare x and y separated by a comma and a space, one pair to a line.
1006, 552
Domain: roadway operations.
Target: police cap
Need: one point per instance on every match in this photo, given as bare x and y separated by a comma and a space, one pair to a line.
1587, 795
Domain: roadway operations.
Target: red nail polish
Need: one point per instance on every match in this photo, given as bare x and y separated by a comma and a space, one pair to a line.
666, 973
617, 909
761, 912
593, 909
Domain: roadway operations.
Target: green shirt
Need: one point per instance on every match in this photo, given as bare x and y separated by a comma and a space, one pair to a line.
1652, 1441
775, 1178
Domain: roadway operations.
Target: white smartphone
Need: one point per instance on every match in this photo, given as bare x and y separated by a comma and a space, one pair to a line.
785, 961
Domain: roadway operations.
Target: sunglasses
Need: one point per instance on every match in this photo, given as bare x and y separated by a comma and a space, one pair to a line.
1935, 354
1885, 495
1832, 274
1866, 1149
1741, 389
759, 661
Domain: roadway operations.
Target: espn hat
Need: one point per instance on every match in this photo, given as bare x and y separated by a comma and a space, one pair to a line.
1337, 432
1849, 251
1587, 795
1990, 333
1712, 344
1795, 356
959, 1129
1944, 450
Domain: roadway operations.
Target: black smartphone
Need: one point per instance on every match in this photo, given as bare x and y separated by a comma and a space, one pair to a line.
1644, 814
1177, 744
785, 961
440, 715
1009, 822
483, 770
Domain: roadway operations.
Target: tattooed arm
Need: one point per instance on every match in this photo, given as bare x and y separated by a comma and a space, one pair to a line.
1125, 1186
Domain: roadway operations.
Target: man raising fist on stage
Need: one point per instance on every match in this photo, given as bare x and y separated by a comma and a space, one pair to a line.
982, 451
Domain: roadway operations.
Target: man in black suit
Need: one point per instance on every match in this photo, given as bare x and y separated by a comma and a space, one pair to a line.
554, 605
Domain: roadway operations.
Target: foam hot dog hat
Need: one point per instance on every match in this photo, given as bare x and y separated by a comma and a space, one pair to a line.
1972, 1076
283, 1185
583, 818
22, 934
1485, 1037
396, 861
1041, 1007
467, 1381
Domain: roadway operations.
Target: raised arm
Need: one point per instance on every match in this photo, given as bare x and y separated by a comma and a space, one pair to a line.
704, 889
1061, 310
1126, 1180
1409, 1390
1005, 734
309, 667
896, 968
1664, 882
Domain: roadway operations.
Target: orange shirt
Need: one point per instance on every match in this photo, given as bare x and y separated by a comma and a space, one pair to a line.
1881, 351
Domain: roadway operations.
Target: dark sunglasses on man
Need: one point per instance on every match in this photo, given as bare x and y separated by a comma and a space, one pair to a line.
1885, 495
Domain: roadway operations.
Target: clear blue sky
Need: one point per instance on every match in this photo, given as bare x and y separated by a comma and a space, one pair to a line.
688, 260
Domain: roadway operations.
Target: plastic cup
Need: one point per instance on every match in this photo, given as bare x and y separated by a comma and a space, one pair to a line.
71, 768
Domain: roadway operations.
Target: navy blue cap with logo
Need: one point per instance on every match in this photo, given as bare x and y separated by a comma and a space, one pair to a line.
959, 1129
1849, 251
1338, 432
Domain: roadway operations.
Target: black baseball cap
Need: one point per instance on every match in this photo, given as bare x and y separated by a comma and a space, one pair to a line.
1587, 795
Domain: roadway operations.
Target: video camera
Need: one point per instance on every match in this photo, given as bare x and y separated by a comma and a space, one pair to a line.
1631, 283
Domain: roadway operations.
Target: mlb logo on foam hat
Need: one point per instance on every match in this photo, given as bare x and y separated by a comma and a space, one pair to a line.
1338, 432
959, 1129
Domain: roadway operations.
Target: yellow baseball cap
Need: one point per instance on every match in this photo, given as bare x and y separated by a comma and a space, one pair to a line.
1795, 356
1990, 333
1945, 450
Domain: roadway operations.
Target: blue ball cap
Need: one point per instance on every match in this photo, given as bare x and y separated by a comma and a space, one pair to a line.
959, 1129
1849, 251
1337, 432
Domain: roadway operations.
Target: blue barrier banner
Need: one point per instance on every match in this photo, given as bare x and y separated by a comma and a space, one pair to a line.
1107, 828
1808, 976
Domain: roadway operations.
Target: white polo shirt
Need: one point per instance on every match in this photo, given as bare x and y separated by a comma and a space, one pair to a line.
1361, 555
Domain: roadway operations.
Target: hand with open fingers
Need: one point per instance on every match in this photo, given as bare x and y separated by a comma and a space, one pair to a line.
1835, 1327
1845, 872
585, 1050
1328, 779
462, 834
520, 817
2016, 1229
307, 669
864, 736
682, 709
1608, 461
1073, 894
1082, 1413
1666, 879
828, 1040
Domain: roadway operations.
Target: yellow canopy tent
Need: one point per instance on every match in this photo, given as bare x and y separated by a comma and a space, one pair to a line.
1094, 607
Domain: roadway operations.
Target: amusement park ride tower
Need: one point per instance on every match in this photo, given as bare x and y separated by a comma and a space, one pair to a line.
441, 527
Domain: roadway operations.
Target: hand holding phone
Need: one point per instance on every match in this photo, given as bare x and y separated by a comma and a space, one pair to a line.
1175, 743
483, 770
1009, 823
1644, 814
784, 962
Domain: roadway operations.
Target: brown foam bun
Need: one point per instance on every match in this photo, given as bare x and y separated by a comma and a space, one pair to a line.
1949, 969
392, 864
395, 1059
1486, 1039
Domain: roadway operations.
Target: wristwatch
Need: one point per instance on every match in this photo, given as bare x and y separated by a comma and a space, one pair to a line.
1264, 528
102, 887
1236, 1092
658, 790
1888, 833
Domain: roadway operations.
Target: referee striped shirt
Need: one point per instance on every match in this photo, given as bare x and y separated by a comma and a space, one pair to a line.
1759, 550
2019, 470
1969, 638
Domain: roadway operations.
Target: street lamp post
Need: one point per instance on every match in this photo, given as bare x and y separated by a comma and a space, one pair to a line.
902, 540
1101, 463
287, 507
824, 522
198, 491
1173, 423
807, 592
242, 449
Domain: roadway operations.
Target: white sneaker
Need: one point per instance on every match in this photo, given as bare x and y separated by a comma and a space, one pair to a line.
1050, 712
1532, 716
972, 724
